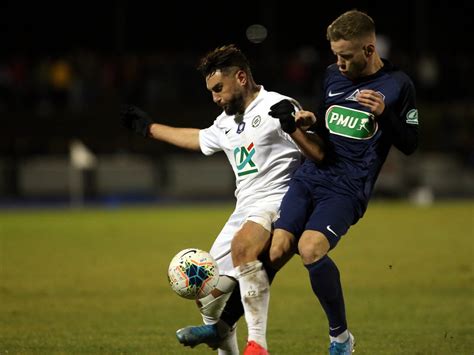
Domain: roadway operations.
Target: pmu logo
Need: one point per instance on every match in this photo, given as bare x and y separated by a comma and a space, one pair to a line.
243, 160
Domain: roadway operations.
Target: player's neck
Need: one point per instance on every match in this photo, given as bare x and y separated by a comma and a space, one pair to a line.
252, 94
375, 65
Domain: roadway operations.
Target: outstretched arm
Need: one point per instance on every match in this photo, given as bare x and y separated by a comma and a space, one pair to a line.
187, 138
139, 122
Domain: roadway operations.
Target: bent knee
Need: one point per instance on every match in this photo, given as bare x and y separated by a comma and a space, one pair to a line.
313, 245
249, 242
281, 249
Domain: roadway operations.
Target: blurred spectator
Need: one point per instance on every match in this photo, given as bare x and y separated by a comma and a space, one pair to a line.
383, 46
61, 82
428, 73
85, 85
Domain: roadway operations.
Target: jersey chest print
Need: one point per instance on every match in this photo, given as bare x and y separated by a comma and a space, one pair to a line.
243, 160
349, 122
244, 154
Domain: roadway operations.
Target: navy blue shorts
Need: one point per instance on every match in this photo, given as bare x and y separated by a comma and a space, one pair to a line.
316, 208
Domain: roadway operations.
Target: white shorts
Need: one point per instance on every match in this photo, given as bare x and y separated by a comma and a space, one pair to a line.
263, 212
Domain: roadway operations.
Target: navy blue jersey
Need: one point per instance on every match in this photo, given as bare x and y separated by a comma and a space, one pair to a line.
357, 142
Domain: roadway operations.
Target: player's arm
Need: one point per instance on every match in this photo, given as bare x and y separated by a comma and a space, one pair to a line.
402, 130
404, 135
309, 143
139, 122
187, 138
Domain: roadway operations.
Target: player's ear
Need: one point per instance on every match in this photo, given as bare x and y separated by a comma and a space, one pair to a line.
369, 50
241, 76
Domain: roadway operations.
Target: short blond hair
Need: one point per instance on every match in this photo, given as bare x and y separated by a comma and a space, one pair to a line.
350, 25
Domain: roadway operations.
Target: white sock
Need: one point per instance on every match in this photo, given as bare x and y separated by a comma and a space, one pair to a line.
211, 311
211, 307
229, 345
255, 293
341, 338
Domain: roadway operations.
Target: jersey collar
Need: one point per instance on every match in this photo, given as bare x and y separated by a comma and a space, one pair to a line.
256, 101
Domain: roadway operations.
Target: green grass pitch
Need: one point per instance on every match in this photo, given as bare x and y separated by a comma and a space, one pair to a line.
94, 281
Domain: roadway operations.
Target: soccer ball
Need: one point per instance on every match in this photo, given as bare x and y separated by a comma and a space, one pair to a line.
193, 273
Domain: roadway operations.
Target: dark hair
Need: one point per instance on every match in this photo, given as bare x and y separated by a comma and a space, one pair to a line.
350, 25
223, 58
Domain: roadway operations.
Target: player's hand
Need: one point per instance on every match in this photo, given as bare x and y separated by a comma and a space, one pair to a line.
373, 100
285, 112
305, 119
135, 120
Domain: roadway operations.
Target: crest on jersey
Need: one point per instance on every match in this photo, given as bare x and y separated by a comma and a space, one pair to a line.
243, 160
256, 121
353, 96
240, 127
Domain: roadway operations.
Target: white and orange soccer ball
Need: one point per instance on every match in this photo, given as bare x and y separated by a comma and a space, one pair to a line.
193, 273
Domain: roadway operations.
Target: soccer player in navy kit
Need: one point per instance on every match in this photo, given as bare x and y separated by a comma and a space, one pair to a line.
369, 105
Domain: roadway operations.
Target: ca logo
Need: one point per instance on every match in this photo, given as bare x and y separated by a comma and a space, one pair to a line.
243, 160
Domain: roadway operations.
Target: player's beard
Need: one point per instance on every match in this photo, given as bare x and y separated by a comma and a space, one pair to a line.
235, 105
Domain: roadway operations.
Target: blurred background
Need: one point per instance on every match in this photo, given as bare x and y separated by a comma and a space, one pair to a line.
65, 69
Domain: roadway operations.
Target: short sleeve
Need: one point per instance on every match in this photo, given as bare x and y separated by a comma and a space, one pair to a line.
209, 141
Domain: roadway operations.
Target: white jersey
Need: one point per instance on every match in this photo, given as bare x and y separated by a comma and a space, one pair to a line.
262, 156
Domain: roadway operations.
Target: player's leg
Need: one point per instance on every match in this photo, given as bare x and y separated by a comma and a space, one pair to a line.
215, 333
223, 332
253, 281
282, 248
225, 328
325, 279
249, 242
329, 221
234, 309
261, 214
296, 207
326, 284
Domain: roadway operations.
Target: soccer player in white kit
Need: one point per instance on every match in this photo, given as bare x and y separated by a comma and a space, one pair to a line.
263, 158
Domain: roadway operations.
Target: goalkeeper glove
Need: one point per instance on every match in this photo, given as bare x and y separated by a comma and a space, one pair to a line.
135, 120
285, 112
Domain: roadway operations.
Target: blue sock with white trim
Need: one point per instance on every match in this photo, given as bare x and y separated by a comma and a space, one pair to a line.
326, 284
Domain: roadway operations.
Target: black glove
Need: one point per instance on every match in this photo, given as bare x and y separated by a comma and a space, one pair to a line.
135, 120
285, 112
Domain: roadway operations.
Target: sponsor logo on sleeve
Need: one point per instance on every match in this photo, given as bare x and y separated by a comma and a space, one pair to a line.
412, 116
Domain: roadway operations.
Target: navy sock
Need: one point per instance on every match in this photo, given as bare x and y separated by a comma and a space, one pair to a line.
326, 284
233, 309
